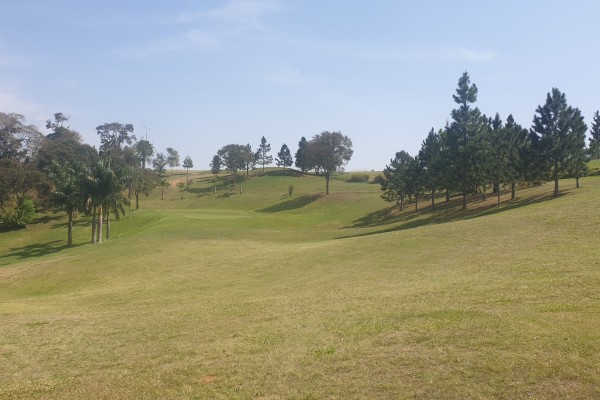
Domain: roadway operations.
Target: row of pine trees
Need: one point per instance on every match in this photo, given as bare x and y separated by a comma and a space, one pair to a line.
474, 153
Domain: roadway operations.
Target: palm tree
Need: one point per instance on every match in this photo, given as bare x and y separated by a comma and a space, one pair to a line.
68, 193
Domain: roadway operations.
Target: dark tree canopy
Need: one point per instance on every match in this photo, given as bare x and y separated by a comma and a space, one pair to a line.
560, 128
144, 150
233, 157
262, 154
301, 162
328, 152
114, 135
284, 157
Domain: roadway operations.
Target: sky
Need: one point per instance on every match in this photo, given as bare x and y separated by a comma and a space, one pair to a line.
198, 75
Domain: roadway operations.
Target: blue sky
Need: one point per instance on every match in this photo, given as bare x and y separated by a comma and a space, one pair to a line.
197, 75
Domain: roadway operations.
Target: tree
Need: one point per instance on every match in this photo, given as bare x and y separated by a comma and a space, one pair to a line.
232, 157
284, 157
395, 185
215, 168
17, 141
462, 136
159, 163
262, 154
63, 145
143, 181
18, 182
144, 150
430, 156
595, 137
301, 162
172, 157
249, 158
499, 145
113, 136
68, 191
559, 127
187, 164
329, 152
181, 187
516, 138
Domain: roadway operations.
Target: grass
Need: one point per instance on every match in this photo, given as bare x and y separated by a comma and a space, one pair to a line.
259, 295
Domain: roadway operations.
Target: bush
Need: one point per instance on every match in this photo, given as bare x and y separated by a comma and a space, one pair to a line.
359, 178
23, 214
380, 179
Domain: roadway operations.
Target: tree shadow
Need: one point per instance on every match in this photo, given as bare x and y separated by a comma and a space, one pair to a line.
39, 249
444, 213
283, 172
293, 204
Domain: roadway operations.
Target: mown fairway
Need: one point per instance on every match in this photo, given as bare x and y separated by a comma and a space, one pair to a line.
259, 295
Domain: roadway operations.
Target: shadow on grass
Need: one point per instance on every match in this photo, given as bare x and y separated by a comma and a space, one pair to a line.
283, 172
443, 213
39, 249
293, 204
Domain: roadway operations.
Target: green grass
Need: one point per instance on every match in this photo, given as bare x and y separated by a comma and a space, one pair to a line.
259, 295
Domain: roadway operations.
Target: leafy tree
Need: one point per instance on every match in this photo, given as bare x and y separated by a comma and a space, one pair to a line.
181, 187
68, 191
249, 158
63, 145
329, 152
17, 183
187, 164
232, 157
215, 168
301, 162
595, 136
144, 150
284, 157
559, 127
262, 154
160, 163
17, 141
499, 146
172, 157
462, 137
143, 181
113, 136
576, 161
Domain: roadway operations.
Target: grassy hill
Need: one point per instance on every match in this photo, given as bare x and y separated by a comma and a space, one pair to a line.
262, 295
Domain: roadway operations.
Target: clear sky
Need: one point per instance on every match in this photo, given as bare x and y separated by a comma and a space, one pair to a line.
197, 75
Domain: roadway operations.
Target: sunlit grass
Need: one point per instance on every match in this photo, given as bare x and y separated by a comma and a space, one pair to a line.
263, 295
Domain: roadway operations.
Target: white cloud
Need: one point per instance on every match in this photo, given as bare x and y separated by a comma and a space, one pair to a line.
191, 39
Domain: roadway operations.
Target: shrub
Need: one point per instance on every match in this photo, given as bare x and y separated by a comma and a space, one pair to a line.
359, 178
380, 179
24, 213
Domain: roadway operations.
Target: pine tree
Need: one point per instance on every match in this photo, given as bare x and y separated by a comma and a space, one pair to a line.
301, 161
284, 157
262, 154
559, 128
430, 156
595, 137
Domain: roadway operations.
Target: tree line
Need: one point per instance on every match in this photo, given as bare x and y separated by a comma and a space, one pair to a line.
59, 169
326, 153
474, 153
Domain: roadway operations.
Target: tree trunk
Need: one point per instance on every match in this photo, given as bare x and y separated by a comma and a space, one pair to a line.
577, 182
447, 196
416, 203
327, 183
137, 200
512, 190
432, 197
99, 225
70, 229
484, 189
556, 177
108, 224
93, 224
162, 192
402, 203
498, 191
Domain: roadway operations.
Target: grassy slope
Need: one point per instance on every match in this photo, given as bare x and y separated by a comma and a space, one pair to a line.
264, 296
